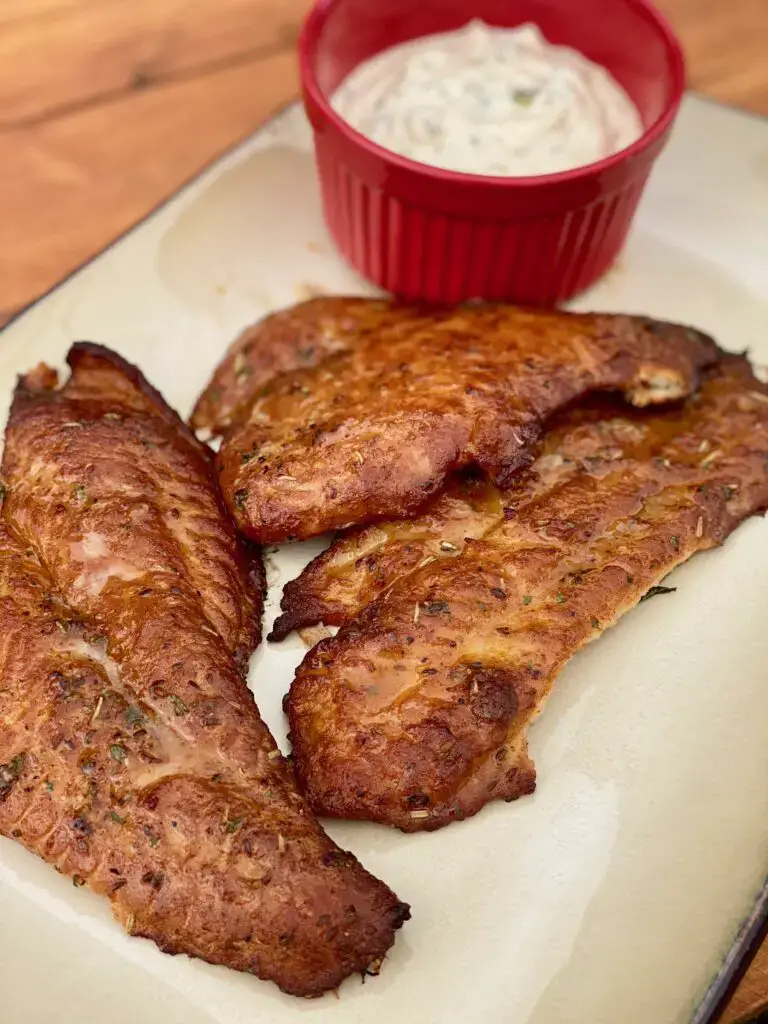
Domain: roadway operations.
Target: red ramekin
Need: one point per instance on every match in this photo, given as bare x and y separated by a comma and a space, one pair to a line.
440, 236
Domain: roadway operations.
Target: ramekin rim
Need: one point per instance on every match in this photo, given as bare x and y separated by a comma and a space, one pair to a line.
310, 30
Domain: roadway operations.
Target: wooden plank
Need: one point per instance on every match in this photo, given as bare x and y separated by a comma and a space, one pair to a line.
57, 55
752, 994
727, 48
71, 185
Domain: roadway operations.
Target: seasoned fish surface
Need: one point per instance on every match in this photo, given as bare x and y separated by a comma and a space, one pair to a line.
294, 338
363, 562
133, 756
107, 476
373, 430
416, 713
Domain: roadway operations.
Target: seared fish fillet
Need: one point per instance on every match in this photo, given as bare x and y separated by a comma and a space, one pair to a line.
140, 493
373, 430
415, 714
294, 338
361, 563
133, 757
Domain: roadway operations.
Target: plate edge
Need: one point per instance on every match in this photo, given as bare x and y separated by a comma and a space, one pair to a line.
748, 940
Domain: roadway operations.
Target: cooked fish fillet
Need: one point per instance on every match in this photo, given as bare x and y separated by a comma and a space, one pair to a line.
415, 714
372, 431
361, 563
294, 338
133, 757
136, 486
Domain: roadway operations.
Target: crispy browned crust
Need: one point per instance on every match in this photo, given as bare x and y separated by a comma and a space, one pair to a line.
133, 472
373, 430
415, 715
133, 755
294, 338
361, 563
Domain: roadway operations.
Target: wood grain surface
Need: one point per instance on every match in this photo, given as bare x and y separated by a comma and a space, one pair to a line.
108, 106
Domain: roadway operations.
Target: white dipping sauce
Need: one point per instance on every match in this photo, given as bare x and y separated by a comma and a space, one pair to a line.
487, 100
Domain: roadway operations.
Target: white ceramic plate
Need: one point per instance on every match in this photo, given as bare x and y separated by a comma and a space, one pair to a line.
613, 894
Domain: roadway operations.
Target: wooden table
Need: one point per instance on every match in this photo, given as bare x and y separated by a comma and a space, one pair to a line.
107, 106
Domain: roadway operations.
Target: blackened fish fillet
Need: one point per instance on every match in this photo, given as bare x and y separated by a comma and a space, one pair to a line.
133, 757
291, 339
373, 430
364, 562
416, 713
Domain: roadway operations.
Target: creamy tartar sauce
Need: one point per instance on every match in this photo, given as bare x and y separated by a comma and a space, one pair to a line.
487, 100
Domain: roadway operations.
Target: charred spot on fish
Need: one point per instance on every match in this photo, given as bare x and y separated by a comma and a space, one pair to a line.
492, 696
9, 775
521, 780
417, 800
336, 859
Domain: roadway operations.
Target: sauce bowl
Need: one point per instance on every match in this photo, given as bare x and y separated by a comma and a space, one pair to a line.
435, 235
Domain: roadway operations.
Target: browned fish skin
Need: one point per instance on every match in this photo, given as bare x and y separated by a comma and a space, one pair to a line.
133, 756
125, 453
372, 431
290, 339
361, 563
415, 715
